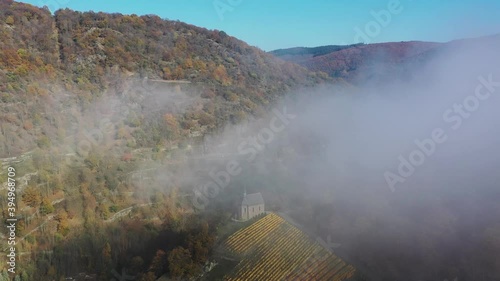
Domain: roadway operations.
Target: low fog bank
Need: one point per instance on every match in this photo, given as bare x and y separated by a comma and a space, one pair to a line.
401, 174
410, 169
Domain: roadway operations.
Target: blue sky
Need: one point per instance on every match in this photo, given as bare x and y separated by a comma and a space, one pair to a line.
288, 23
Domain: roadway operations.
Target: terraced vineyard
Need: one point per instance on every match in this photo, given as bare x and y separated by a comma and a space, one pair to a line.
273, 249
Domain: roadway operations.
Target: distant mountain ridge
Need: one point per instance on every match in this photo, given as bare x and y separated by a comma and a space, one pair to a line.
311, 51
358, 62
348, 61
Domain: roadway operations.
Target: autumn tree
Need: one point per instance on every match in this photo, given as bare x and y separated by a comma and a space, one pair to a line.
63, 225
172, 126
220, 74
178, 73
167, 73
9, 20
46, 207
205, 119
180, 263
106, 252
230, 96
93, 160
200, 243
158, 263
136, 265
31, 197
188, 63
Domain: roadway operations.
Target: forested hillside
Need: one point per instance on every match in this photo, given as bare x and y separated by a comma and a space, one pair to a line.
84, 55
89, 98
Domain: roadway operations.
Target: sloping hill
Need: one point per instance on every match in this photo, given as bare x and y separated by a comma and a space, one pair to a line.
100, 98
381, 61
76, 58
302, 54
273, 249
350, 61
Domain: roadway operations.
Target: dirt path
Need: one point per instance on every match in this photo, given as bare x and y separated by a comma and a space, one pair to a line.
125, 212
